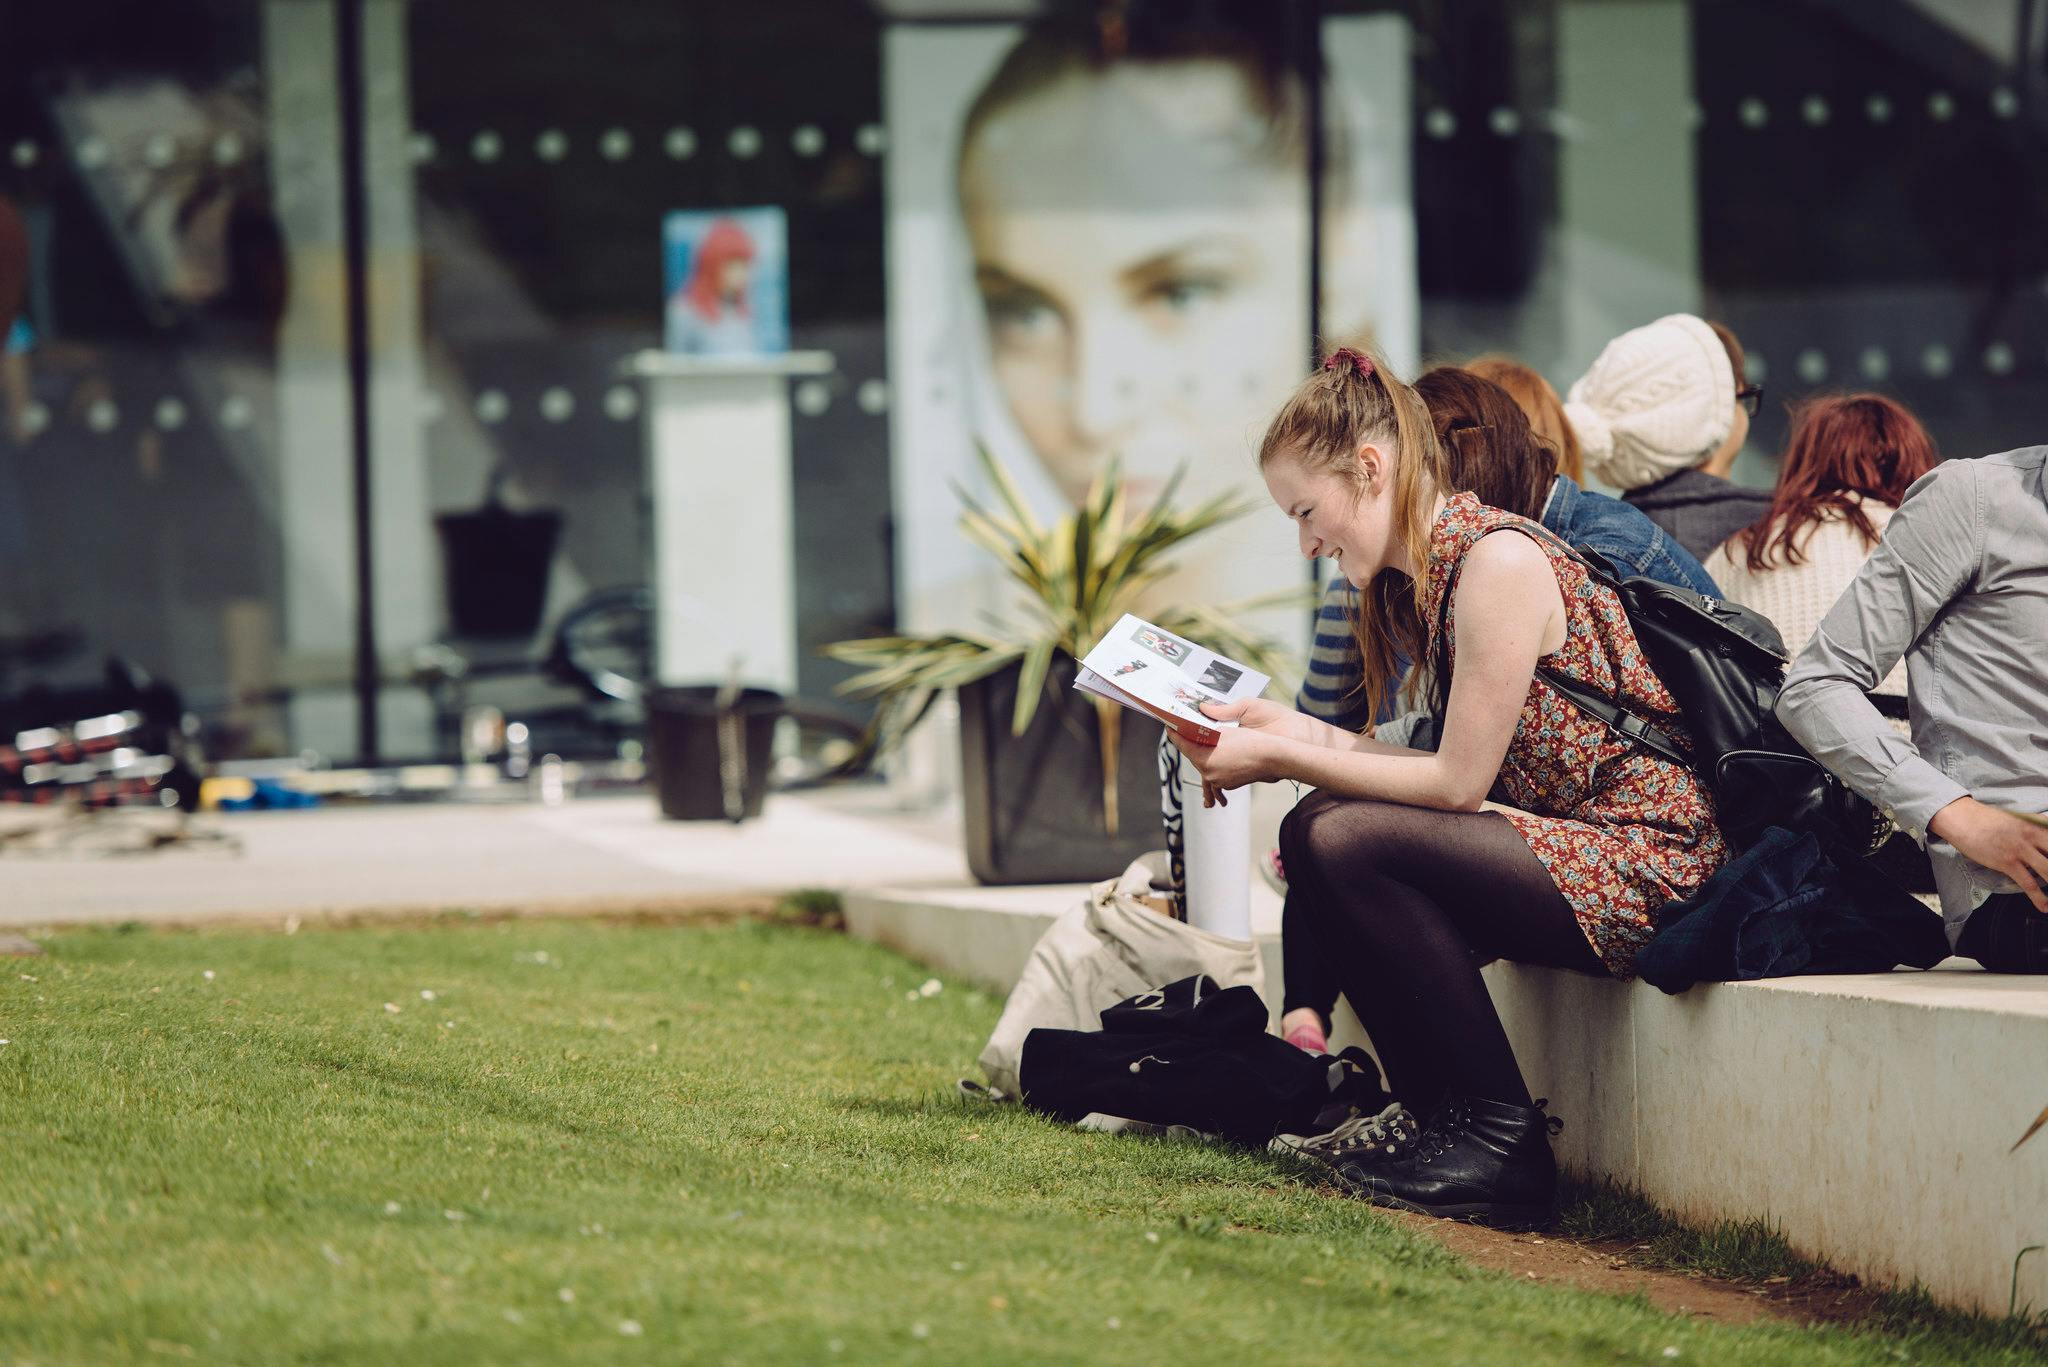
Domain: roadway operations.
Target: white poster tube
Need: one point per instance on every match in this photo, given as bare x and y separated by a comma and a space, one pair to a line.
1219, 859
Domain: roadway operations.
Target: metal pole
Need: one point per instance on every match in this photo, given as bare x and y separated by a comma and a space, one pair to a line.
1308, 47
1309, 56
348, 17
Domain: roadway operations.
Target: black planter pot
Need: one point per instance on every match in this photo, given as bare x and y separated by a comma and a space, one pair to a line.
496, 562
1034, 802
686, 763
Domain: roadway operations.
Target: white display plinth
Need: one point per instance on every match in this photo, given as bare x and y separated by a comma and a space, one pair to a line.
719, 495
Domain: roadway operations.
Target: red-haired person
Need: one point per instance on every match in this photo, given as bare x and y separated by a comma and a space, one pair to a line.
1849, 462
1540, 403
1411, 884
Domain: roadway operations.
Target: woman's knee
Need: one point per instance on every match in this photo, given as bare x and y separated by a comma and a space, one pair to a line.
1325, 834
1295, 830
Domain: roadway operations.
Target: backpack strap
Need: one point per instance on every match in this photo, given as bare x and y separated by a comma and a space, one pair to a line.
1601, 708
1619, 720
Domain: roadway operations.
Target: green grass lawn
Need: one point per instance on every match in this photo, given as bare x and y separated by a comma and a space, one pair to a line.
559, 1140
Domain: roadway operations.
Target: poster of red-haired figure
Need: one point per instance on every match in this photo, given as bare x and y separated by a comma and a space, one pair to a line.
726, 274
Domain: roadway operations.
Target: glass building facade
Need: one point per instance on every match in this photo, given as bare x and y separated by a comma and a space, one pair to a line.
310, 291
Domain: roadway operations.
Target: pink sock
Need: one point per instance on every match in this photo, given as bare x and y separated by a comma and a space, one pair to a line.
1308, 1038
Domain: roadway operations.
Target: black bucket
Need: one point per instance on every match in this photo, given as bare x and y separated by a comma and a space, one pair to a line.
496, 562
708, 764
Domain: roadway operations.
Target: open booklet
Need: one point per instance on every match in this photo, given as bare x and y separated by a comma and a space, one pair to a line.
1155, 672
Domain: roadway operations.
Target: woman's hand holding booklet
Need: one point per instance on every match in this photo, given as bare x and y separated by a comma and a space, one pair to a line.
1198, 694
1150, 670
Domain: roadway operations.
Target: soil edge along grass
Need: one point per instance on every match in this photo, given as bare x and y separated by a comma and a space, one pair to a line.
543, 1141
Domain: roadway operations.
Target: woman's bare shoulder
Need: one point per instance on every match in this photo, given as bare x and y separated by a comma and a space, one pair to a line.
1505, 552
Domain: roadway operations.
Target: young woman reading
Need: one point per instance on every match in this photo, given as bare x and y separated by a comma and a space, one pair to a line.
1413, 886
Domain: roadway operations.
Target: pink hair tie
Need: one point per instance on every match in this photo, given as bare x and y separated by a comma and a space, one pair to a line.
1343, 356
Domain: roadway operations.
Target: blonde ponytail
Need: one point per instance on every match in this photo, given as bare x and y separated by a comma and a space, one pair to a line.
1353, 399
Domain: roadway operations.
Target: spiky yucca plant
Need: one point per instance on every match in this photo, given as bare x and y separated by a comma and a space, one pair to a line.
1078, 576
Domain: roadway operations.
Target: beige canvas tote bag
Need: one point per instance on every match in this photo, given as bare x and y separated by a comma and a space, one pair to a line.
1110, 947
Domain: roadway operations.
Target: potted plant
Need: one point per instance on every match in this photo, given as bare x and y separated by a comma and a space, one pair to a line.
1058, 785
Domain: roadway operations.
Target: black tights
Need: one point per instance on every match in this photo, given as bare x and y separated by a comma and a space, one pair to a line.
1399, 907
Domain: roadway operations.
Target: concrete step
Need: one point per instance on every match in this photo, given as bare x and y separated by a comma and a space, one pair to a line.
1871, 1117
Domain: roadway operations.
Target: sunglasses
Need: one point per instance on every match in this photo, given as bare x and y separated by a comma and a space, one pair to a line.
1751, 397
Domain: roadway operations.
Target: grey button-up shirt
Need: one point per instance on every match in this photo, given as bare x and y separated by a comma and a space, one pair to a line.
1959, 587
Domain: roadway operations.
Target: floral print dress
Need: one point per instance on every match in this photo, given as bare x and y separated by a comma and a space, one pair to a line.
1620, 830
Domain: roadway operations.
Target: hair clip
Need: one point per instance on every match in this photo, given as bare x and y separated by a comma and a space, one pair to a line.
1343, 356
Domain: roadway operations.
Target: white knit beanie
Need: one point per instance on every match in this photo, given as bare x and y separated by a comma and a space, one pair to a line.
1659, 399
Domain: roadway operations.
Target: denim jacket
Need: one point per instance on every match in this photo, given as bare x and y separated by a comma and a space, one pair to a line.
1783, 907
1616, 530
1624, 535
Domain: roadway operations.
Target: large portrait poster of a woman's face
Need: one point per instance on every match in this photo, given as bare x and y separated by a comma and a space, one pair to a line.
1097, 255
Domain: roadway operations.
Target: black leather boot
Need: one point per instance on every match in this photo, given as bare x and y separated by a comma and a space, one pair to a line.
1483, 1161
2006, 935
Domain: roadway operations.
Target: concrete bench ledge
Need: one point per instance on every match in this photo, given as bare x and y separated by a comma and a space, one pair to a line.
1871, 1117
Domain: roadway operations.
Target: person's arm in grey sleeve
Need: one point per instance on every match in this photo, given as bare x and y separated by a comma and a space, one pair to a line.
1929, 556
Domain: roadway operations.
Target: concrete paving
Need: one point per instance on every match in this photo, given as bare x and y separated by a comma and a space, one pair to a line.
589, 854
1872, 1117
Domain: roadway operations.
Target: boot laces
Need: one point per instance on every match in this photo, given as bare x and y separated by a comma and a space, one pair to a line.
1454, 1120
1387, 1130
1445, 1127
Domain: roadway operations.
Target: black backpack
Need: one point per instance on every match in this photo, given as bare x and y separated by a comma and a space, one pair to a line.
1191, 1053
1724, 665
